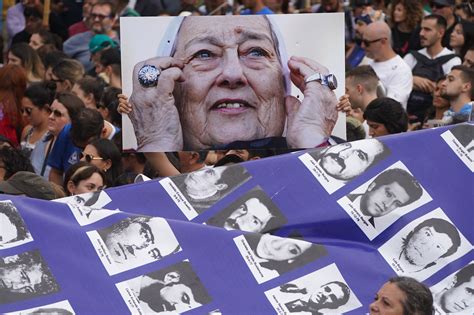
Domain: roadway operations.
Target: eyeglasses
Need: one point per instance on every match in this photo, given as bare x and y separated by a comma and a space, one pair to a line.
89, 157
101, 17
27, 110
368, 42
56, 113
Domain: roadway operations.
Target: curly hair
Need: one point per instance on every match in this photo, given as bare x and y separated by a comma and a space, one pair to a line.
413, 9
419, 299
14, 161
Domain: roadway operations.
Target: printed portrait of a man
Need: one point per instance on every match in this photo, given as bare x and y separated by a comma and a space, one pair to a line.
336, 165
429, 241
329, 296
348, 160
374, 205
456, 296
139, 240
253, 212
13, 230
425, 245
25, 276
323, 291
202, 189
460, 139
464, 133
225, 82
172, 290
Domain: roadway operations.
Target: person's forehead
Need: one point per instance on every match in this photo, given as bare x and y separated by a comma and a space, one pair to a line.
221, 27
370, 32
58, 105
399, 191
156, 225
429, 23
256, 207
365, 145
455, 74
101, 8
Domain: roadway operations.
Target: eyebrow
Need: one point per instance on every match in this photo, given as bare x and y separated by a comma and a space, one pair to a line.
244, 36
149, 231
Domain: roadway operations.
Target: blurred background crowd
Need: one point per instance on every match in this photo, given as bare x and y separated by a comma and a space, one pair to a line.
409, 66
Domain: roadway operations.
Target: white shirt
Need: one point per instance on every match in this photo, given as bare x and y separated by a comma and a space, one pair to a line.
396, 77
411, 60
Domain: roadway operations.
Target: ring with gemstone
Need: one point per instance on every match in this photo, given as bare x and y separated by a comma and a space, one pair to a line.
148, 76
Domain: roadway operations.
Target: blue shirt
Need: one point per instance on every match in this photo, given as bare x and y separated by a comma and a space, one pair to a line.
265, 10
64, 153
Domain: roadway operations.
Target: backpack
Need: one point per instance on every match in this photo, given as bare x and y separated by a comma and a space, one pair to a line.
431, 69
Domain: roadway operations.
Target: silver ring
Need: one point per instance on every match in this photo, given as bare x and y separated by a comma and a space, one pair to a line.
314, 77
148, 76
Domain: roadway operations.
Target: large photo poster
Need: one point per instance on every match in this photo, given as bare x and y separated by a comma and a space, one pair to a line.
232, 82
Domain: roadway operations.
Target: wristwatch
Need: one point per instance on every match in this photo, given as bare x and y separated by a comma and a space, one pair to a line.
327, 80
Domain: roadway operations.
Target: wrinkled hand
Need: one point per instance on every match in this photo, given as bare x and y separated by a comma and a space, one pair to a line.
423, 84
154, 115
310, 122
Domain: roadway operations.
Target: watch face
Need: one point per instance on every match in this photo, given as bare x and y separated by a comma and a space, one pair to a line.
332, 81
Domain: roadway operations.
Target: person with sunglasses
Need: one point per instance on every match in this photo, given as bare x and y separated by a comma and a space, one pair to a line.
35, 107
104, 154
101, 20
63, 153
393, 72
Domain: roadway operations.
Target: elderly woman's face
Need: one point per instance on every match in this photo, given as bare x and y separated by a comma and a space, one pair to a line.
279, 249
233, 88
204, 184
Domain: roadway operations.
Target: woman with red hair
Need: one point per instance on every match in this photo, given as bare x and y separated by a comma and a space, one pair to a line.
12, 87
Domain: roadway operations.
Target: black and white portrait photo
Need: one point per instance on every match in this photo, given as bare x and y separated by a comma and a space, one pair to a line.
172, 290
25, 276
336, 165
455, 294
424, 246
195, 192
269, 256
461, 140
133, 242
89, 208
13, 230
59, 308
253, 212
381, 201
321, 292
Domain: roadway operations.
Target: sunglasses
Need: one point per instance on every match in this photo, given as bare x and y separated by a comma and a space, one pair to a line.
56, 113
98, 16
89, 157
368, 42
27, 110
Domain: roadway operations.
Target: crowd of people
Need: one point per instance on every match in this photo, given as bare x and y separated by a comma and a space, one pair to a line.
409, 65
